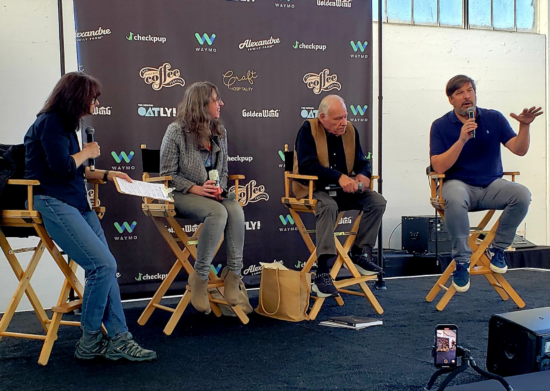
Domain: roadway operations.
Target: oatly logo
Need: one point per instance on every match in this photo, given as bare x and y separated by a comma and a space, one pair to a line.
161, 77
148, 110
322, 81
92, 35
261, 114
257, 45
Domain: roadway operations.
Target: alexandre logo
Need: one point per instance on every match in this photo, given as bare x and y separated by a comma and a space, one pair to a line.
358, 110
161, 77
205, 38
359, 46
257, 45
92, 35
125, 226
123, 156
229, 79
322, 81
286, 220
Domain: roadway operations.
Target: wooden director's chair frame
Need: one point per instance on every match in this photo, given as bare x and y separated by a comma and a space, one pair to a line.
31, 218
307, 205
479, 263
183, 247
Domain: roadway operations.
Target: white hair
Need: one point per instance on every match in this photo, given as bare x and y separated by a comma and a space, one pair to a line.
327, 102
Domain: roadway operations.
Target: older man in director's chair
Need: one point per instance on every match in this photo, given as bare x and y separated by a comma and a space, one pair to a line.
328, 150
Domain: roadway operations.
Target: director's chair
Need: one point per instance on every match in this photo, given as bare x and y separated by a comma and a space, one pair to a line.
18, 220
163, 214
478, 241
307, 205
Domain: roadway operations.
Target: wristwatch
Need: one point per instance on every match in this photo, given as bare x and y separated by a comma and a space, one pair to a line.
105, 175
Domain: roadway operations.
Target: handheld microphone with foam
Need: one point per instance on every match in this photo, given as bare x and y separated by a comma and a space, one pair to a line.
90, 131
472, 114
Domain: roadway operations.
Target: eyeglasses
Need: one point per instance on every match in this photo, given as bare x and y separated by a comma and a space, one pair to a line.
95, 101
217, 100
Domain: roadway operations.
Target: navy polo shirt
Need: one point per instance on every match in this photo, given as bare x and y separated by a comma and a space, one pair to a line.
49, 144
479, 162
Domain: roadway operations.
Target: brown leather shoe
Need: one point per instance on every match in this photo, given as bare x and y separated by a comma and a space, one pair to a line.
199, 293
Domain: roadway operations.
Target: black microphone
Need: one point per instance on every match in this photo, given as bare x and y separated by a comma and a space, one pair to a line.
90, 131
472, 114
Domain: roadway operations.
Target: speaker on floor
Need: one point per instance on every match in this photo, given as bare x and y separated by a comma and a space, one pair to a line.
519, 342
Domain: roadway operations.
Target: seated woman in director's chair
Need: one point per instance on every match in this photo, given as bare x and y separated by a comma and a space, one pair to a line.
53, 157
328, 151
193, 150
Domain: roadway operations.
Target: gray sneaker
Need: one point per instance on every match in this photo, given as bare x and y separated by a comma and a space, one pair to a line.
125, 347
91, 346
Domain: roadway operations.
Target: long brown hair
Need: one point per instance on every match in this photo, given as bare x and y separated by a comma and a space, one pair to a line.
72, 96
192, 113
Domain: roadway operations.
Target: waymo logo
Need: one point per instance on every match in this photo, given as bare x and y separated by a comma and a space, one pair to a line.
125, 227
358, 110
122, 156
286, 220
359, 46
359, 113
205, 38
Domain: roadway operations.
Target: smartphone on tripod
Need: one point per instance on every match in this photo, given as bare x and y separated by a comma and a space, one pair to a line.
446, 340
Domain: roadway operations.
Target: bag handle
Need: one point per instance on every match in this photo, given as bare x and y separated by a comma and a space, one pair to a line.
278, 295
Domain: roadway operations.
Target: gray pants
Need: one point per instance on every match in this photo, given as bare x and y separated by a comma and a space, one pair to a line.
217, 218
461, 198
371, 203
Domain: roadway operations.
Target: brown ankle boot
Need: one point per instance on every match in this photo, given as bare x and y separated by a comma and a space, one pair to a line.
232, 289
199, 293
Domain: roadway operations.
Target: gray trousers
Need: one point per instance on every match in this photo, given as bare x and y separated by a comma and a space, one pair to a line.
217, 218
371, 203
461, 198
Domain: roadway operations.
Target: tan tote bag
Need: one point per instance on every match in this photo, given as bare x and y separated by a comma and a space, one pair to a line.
284, 293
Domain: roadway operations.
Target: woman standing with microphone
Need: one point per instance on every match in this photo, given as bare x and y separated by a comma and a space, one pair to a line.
54, 158
193, 150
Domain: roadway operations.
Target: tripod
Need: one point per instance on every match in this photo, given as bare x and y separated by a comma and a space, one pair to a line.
467, 361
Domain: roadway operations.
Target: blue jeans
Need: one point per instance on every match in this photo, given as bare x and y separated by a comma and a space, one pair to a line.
217, 218
80, 236
461, 198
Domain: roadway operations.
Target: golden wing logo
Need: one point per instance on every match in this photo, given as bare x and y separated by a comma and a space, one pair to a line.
161, 77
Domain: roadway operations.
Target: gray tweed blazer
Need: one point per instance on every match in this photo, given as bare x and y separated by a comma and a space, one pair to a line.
180, 158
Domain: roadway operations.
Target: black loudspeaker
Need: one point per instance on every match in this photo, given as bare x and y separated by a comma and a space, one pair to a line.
419, 233
519, 342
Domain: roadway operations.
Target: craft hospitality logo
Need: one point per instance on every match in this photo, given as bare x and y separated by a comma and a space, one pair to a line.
261, 114
164, 76
309, 46
145, 38
258, 45
148, 110
92, 35
359, 113
245, 81
322, 82
334, 3
359, 49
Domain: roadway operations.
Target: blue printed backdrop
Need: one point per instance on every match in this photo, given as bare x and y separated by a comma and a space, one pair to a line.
273, 61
